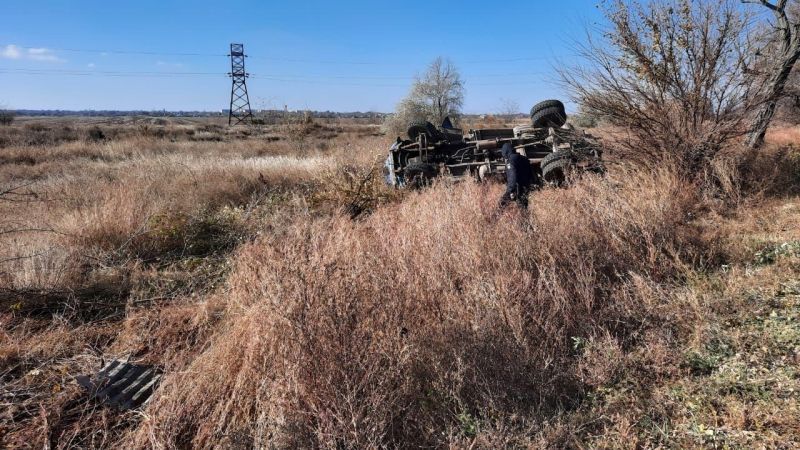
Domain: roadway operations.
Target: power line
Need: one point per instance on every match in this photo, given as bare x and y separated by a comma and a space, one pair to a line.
175, 75
527, 58
510, 83
322, 82
374, 63
122, 52
335, 83
108, 72
134, 74
282, 77
111, 74
392, 77
285, 59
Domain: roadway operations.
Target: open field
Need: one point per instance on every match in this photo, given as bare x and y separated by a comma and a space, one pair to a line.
293, 301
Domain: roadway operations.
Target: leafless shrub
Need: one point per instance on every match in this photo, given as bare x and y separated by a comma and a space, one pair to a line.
353, 190
671, 75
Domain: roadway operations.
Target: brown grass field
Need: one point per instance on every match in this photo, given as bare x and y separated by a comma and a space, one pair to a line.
293, 301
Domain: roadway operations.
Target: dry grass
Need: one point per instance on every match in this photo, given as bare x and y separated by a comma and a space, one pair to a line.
616, 313
130, 229
784, 136
136, 196
732, 382
427, 320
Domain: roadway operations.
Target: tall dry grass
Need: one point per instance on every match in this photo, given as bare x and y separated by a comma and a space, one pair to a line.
233, 263
142, 193
428, 322
139, 209
112, 236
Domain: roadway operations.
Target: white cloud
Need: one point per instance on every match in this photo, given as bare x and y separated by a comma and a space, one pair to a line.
12, 51
43, 54
168, 64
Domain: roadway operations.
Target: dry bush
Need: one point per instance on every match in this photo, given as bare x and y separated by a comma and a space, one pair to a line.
37, 134
406, 113
6, 117
428, 322
740, 176
672, 76
353, 189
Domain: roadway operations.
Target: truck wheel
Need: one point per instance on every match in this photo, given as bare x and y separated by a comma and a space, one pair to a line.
556, 165
418, 174
549, 113
417, 128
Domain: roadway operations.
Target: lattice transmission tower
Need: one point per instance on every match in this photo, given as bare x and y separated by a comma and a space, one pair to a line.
240, 102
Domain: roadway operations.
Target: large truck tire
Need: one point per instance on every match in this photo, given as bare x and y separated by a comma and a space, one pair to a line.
417, 128
419, 174
556, 165
549, 113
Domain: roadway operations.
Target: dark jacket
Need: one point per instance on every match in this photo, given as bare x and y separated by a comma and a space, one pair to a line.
519, 174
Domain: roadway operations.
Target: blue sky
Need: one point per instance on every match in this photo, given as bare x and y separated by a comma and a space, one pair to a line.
321, 55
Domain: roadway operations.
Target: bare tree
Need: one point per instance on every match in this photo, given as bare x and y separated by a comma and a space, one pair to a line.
781, 61
670, 74
509, 109
440, 89
437, 94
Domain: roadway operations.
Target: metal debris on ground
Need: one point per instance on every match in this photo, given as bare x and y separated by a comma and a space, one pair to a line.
122, 384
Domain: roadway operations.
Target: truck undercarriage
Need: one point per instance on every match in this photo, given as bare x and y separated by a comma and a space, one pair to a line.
555, 150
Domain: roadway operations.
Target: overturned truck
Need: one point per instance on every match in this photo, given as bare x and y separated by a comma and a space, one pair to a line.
555, 150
